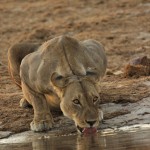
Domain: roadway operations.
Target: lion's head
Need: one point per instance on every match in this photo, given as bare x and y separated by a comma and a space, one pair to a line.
79, 100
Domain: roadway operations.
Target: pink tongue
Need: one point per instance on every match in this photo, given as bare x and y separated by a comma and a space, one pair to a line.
89, 130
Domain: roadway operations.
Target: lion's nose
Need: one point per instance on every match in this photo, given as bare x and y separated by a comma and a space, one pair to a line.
91, 123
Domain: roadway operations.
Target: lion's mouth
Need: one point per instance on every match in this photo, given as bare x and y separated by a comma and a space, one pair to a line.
87, 130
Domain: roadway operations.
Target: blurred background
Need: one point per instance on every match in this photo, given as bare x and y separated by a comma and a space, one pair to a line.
122, 26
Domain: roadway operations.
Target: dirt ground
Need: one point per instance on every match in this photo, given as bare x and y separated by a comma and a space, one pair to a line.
122, 26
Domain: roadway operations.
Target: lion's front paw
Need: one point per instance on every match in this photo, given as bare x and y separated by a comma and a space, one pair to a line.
39, 126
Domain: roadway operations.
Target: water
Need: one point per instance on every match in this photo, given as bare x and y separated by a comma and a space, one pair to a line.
107, 140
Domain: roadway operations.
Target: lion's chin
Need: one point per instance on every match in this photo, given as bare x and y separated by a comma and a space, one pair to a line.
87, 130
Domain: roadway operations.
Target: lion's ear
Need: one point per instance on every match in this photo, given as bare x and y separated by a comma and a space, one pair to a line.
58, 80
92, 73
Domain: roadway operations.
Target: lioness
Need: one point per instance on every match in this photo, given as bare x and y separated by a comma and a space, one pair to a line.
61, 73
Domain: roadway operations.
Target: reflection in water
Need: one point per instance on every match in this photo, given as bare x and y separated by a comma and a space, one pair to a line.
90, 142
120, 141
87, 142
59, 143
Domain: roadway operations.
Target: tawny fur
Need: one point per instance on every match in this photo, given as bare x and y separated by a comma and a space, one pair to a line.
55, 74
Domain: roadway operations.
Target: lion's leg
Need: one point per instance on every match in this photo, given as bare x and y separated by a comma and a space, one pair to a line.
42, 117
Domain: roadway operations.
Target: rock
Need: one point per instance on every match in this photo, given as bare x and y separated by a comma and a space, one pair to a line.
119, 72
5, 134
138, 67
109, 72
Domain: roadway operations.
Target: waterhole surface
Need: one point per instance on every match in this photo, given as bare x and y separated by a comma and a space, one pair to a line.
126, 138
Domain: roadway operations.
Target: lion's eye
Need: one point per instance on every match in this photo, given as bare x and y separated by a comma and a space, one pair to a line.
95, 99
76, 101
